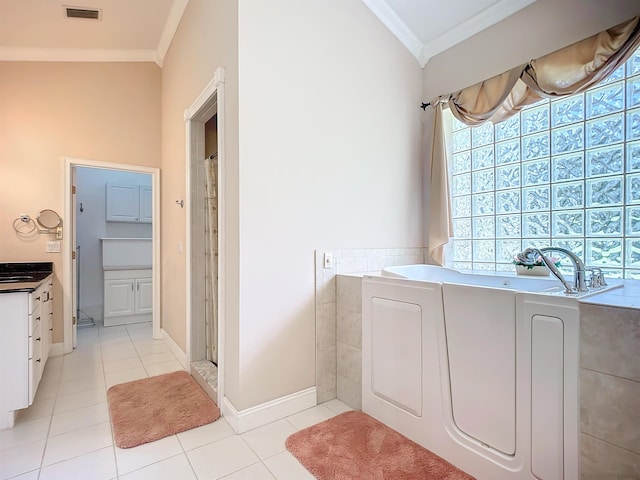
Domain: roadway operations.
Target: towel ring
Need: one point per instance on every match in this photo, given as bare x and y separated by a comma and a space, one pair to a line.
24, 225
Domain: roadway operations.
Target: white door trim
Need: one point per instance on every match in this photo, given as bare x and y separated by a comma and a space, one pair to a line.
69, 164
210, 101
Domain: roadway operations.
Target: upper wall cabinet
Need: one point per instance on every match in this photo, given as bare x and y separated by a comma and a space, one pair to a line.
129, 203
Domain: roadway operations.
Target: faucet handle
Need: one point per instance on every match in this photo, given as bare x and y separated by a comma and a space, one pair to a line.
597, 278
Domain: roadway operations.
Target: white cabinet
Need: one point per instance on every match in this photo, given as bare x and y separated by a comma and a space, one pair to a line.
128, 297
26, 327
129, 203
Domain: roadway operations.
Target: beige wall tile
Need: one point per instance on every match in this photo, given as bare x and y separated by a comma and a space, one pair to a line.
349, 328
326, 325
326, 374
349, 293
610, 409
349, 362
601, 460
350, 392
610, 340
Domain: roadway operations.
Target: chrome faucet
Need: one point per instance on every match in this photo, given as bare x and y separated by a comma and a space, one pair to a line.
579, 283
528, 257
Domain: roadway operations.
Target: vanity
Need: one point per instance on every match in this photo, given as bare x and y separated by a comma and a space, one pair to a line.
26, 323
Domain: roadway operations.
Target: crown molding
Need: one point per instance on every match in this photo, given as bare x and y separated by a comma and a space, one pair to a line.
12, 54
486, 18
423, 52
395, 24
170, 27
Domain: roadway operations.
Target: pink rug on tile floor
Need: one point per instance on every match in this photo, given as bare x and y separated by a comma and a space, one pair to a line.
355, 446
146, 410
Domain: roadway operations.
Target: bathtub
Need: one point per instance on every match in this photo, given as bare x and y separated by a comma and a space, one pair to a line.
480, 369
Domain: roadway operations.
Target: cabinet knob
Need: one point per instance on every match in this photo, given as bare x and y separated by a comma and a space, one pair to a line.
38, 360
38, 339
38, 319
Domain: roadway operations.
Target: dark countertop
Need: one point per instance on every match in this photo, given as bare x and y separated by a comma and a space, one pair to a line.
38, 271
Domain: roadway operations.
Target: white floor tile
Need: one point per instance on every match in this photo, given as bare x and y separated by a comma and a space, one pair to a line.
39, 409
77, 442
268, 440
123, 376
148, 347
122, 364
164, 367
285, 466
82, 384
33, 475
73, 401
24, 432
98, 465
173, 468
221, 458
22, 459
337, 406
112, 354
311, 416
81, 370
79, 418
130, 459
257, 471
157, 357
212, 432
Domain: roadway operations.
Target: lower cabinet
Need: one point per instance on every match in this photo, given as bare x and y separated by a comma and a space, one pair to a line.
25, 340
128, 297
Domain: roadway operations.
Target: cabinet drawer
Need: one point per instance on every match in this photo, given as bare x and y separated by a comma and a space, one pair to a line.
35, 343
35, 321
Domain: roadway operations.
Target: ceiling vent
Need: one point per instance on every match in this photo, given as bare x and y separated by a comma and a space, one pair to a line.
80, 12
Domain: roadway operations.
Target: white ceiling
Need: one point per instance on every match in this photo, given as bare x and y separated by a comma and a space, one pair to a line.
141, 30
128, 30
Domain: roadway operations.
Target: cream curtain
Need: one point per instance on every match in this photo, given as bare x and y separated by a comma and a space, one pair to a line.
440, 227
211, 255
570, 70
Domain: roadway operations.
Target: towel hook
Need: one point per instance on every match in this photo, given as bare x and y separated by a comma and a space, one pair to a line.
180, 202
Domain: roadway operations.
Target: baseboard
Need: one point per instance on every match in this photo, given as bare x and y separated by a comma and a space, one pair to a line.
57, 349
245, 420
175, 349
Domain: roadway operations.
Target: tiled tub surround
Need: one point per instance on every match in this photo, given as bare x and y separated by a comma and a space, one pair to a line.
327, 350
610, 392
609, 376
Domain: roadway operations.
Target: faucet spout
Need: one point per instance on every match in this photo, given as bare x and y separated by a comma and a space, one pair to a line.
528, 257
579, 283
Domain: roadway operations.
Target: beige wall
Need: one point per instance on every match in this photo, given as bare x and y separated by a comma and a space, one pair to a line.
205, 40
98, 111
329, 158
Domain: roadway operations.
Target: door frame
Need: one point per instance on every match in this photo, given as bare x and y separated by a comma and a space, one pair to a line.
69, 273
210, 102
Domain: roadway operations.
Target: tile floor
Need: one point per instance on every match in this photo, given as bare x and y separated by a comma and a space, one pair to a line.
66, 433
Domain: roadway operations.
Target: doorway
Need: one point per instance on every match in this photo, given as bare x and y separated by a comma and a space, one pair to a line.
70, 253
206, 237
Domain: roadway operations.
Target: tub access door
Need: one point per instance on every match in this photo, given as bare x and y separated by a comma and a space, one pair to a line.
480, 327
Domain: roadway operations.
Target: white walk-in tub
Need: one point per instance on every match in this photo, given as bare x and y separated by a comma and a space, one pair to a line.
480, 369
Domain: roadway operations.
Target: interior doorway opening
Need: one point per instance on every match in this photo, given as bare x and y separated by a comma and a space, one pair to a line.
205, 242
70, 254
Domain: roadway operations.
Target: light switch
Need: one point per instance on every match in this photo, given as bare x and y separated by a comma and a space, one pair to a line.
53, 247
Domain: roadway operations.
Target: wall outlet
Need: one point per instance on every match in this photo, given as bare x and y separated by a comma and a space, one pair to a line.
53, 247
328, 260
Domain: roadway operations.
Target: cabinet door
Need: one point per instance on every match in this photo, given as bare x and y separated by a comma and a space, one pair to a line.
123, 203
146, 205
119, 298
46, 311
144, 295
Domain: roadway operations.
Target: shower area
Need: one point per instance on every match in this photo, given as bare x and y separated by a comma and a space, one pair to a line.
204, 258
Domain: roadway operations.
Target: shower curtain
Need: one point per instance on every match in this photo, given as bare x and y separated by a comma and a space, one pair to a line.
211, 255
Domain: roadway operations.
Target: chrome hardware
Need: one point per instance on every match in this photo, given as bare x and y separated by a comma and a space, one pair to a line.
528, 257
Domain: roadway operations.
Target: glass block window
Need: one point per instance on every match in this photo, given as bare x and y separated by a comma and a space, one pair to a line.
564, 172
